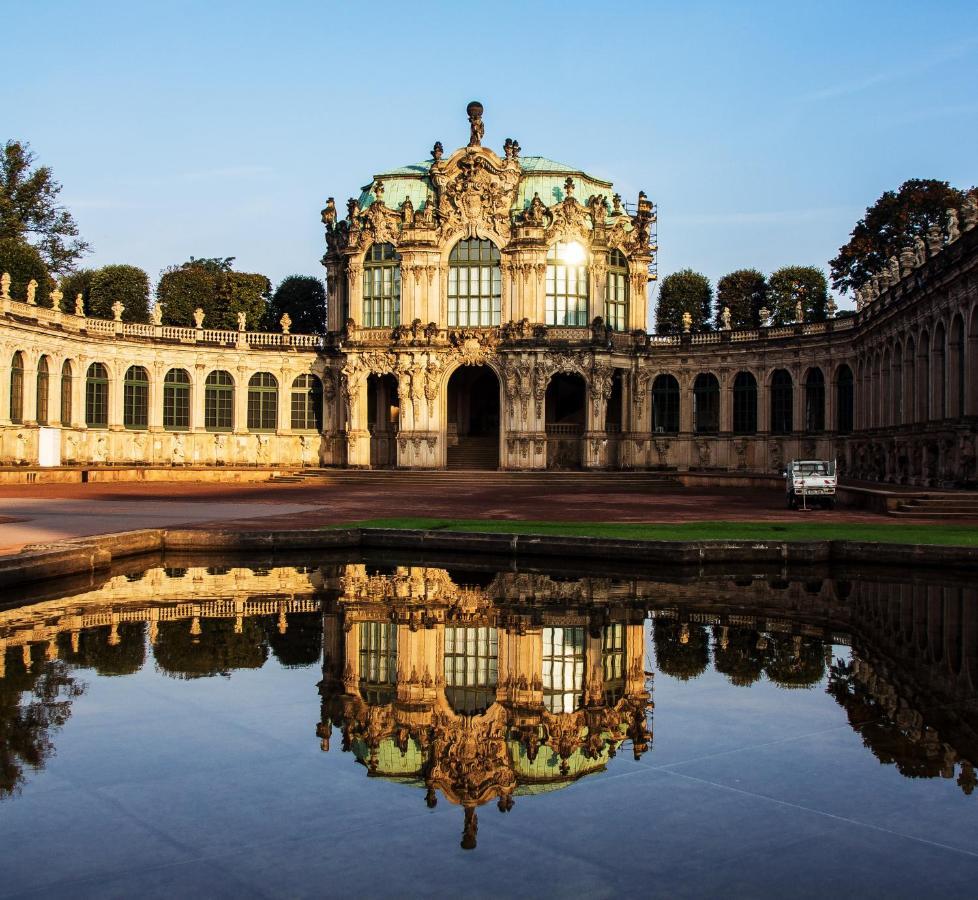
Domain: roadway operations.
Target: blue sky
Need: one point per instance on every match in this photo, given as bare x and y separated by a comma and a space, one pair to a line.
762, 130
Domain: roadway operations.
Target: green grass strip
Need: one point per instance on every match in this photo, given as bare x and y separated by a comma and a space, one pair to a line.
945, 535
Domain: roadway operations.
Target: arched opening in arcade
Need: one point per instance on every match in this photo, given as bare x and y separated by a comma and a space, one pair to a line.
383, 413
566, 416
473, 418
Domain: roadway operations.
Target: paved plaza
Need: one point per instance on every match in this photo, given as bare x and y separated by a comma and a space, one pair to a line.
48, 512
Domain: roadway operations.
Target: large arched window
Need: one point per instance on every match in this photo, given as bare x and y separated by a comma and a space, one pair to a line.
381, 287
378, 661
939, 376
219, 401
567, 284
563, 669
616, 297
956, 369
43, 393
176, 400
843, 400
814, 400
665, 405
67, 384
706, 404
17, 388
262, 402
307, 404
474, 284
782, 397
745, 404
471, 668
135, 398
97, 396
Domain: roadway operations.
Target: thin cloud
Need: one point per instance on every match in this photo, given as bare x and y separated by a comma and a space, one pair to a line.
761, 217
241, 171
844, 89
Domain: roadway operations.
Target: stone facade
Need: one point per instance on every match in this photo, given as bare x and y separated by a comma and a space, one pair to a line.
491, 310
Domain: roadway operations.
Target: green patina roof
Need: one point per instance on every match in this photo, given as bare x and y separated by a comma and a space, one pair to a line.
390, 760
540, 175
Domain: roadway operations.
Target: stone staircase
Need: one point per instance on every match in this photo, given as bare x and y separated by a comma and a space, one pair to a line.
470, 480
938, 506
478, 453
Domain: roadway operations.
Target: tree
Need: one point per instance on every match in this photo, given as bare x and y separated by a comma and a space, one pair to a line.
127, 284
75, 283
682, 292
24, 263
219, 291
793, 283
303, 298
30, 212
889, 225
743, 292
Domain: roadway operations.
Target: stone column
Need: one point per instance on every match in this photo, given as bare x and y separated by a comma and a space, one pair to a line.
117, 372
197, 398
726, 380
30, 388
764, 403
355, 419
241, 401
157, 373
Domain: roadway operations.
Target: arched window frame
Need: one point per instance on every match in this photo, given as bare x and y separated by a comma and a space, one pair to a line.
706, 404
782, 402
97, 396
617, 291
745, 403
665, 404
471, 667
67, 387
381, 287
42, 395
219, 401
135, 399
568, 288
307, 403
176, 400
844, 400
17, 388
814, 401
262, 402
474, 262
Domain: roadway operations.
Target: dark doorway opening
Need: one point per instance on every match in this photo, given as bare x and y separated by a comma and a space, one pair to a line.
473, 418
383, 413
566, 416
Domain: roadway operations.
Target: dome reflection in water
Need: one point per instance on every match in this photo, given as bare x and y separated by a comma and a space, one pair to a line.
486, 688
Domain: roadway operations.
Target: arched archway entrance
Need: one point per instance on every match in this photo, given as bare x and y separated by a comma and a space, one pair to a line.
566, 416
473, 418
383, 413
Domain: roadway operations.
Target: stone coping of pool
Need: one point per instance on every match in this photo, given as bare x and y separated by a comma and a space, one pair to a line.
91, 554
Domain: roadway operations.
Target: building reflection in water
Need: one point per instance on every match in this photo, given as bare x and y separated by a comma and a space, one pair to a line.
481, 688
481, 693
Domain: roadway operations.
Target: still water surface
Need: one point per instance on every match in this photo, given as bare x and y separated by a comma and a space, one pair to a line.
344, 727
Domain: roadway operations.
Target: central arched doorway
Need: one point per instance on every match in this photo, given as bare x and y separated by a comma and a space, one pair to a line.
473, 418
383, 413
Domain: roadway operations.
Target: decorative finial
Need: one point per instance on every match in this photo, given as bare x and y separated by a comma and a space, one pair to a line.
616, 205
56, 297
117, 310
569, 186
437, 152
285, 322
378, 191
474, 111
198, 318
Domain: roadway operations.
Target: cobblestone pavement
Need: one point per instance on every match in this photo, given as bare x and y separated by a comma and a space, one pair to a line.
38, 513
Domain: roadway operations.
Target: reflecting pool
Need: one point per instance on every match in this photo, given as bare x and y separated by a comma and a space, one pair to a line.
309, 727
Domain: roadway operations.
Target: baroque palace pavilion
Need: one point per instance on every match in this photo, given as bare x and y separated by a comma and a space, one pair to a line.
491, 311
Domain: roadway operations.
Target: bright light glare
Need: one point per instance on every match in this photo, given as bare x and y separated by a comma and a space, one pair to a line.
573, 253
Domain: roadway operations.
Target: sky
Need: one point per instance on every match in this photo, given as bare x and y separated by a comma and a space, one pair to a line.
761, 130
